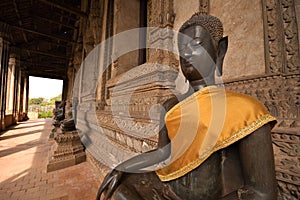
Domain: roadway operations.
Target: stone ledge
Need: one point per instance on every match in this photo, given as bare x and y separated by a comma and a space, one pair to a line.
61, 164
66, 151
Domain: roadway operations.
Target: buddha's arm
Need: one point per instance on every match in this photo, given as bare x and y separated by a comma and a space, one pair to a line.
151, 158
147, 159
257, 160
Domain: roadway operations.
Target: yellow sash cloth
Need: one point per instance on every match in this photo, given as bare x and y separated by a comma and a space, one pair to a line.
210, 119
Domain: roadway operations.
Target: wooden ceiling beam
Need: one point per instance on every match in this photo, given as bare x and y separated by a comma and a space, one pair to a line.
39, 33
44, 66
66, 8
47, 75
45, 53
55, 22
19, 19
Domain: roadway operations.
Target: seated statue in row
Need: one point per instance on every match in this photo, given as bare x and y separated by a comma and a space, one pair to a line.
213, 143
59, 113
68, 124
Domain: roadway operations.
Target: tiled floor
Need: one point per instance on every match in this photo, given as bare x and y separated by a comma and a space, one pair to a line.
23, 158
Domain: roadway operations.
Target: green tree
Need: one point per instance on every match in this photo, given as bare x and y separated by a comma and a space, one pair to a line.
45, 114
57, 98
36, 101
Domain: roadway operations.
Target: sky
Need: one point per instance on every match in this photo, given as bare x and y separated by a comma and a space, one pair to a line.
44, 87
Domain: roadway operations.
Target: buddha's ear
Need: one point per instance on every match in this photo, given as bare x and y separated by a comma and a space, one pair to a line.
222, 49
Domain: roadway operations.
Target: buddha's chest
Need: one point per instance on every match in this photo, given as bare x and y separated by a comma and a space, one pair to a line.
218, 176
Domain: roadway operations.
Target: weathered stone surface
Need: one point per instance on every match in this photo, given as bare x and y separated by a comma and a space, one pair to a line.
243, 23
66, 151
126, 17
279, 94
183, 11
129, 122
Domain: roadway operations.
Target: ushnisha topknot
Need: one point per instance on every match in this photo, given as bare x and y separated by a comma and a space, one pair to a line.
212, 24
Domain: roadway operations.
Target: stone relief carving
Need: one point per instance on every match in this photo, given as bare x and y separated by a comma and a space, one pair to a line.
66, 151
281, 36
273, 39
291, 36
162, 16
204, 6
130, 114
280, 94
287, 150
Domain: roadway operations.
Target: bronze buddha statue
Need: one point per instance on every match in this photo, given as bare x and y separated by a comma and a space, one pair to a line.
234, 162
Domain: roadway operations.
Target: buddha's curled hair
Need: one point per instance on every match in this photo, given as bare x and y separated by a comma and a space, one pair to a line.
212, 24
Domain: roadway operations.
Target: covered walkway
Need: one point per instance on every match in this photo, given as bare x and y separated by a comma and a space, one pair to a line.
23, 158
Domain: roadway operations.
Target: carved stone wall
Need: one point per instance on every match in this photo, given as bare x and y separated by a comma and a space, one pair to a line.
243, 24
108, 134
278, 89
280, 94
132, 114
281, 36
180, 9
264, 63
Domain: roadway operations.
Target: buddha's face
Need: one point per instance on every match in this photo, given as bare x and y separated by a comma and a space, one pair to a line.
197, 53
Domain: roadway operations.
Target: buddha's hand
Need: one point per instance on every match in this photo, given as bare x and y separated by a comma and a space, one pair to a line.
109, 184
250, 193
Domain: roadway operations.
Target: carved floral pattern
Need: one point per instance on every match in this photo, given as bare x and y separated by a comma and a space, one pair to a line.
280, 94
282, 37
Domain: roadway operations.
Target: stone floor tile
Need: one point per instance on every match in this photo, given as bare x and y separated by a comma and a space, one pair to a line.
23, 159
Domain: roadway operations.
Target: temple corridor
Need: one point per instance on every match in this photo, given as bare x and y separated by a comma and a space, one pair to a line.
119, 62
23, 158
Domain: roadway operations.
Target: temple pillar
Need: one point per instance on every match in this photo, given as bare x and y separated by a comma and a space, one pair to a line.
65, 89
21, 84
26, 96
12, 90
4, 57
24, 86
16, 100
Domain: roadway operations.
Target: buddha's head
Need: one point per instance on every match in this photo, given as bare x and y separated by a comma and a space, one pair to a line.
202, 48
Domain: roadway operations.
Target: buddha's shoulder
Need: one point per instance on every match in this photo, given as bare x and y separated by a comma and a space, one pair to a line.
243, 100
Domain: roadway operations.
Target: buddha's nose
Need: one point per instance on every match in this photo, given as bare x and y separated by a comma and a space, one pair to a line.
188, 52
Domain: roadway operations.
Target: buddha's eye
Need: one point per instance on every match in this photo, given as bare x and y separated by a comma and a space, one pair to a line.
196, 42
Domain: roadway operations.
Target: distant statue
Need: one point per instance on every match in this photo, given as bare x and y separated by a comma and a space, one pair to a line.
59, 114
68, 124
213, 143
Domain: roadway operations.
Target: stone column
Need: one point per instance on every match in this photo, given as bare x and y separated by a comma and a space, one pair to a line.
24, 86
16, 100
4, 52
27, 93
13, 87
19, 94
20, 110
65, 89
